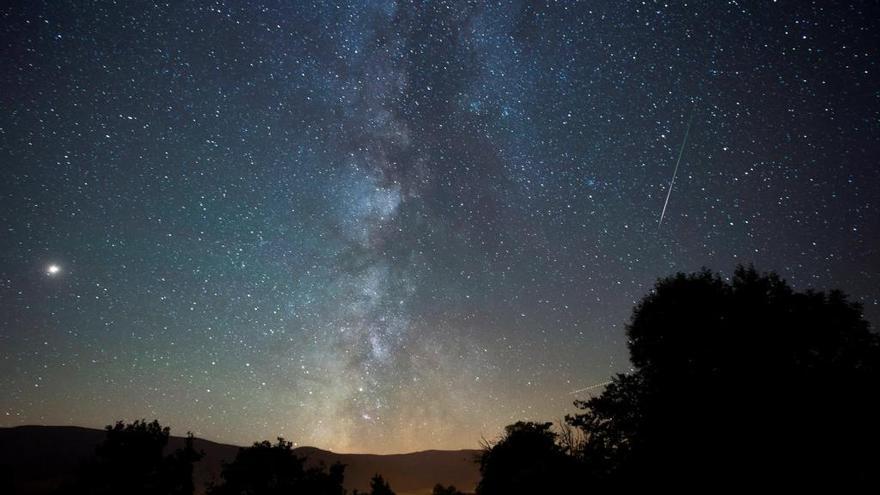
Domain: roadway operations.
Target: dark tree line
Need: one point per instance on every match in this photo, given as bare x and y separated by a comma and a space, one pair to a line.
740, 383
274, 469
130, 460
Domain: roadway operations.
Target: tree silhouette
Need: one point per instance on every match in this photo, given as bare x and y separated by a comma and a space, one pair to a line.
378, 486
740, 381
445, 490
267, 469
179, 467
131, 460
527, 460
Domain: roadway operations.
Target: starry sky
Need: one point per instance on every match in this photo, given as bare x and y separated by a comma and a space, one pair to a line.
391, 226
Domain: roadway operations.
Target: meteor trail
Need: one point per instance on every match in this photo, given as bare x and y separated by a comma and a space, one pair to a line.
591, 387
675, 171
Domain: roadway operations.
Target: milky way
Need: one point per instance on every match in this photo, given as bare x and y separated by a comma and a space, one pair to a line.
391, 226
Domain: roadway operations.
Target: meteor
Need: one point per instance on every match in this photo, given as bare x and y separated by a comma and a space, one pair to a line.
591, 387
675, 171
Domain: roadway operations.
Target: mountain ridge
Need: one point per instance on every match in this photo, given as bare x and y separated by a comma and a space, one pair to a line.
39, 458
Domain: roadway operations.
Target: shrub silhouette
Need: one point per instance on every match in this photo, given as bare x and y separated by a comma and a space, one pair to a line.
378, 486
743, 382
267, 469
130, 460
527, 460
445, 490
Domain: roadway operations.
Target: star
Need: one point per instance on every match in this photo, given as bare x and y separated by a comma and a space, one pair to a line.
53, 270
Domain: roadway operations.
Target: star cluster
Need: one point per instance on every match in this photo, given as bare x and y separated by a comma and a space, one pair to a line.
390, 226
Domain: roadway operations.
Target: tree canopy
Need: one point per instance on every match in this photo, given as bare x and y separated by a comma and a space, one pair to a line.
445, 490
274, 469
527, 460
741, 380
379, 486
131, 460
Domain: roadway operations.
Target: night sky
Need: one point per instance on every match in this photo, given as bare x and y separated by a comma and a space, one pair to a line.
385, 227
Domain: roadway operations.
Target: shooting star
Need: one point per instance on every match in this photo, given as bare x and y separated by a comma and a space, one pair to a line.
591, 387
675, 171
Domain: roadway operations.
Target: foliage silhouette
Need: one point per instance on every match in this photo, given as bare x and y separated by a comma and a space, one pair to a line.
130, 460
378, 486
745, 382
527, 460
267, 469
445, 490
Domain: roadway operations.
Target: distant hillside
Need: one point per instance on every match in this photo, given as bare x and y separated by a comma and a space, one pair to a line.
39, 458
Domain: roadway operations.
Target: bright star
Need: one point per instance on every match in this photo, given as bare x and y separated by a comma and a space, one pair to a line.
53, 269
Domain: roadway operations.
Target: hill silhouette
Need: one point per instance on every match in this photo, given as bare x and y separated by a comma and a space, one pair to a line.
38, 459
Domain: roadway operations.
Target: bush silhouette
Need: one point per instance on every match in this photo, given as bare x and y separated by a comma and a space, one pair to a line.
267, 469
378, 486
445, 490
744, 381
527, 460
131, 460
